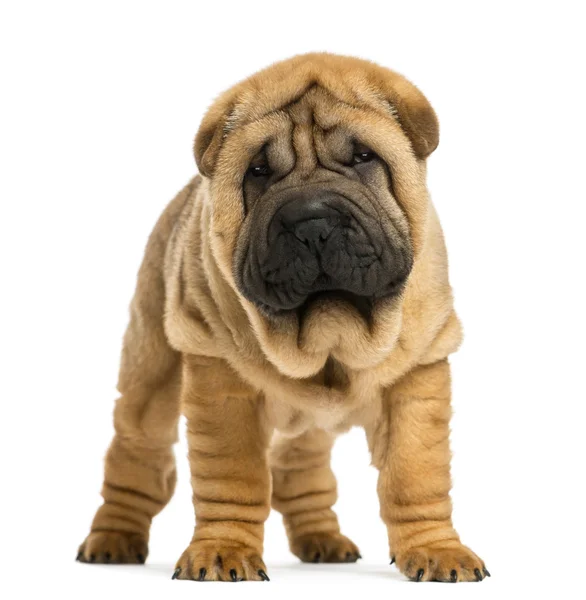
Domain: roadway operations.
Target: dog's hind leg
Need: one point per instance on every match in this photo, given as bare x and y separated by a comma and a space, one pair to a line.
140, 466
304, 491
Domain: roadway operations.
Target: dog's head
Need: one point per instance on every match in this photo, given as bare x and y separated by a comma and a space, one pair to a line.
317, 176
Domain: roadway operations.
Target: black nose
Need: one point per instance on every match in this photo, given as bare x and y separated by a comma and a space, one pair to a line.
311, 220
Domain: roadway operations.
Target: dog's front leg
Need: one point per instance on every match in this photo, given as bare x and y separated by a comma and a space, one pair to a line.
411, 449
228, 440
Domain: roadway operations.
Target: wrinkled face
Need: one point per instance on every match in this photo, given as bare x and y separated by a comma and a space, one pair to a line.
320, 220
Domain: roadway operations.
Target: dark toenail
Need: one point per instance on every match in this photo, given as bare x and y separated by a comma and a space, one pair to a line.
92, 557
233, 575
478, 574
358, 555
392, 560
317, 557
140, 558
202, 574
79, 556
176, 573
107, 557
263, 575
419, 575
453, 576
486, 572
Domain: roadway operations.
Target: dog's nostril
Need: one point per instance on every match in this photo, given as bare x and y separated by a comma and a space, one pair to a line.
313, 231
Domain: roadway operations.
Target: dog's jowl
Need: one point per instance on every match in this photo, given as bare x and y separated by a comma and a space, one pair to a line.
296, 288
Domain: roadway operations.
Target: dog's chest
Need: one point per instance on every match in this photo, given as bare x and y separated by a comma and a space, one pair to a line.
340, 400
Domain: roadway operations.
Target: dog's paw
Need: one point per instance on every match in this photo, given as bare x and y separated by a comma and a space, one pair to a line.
325, 548
220, 560
113, 547
449, 564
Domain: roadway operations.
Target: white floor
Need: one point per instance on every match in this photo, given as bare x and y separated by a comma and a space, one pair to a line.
287, 578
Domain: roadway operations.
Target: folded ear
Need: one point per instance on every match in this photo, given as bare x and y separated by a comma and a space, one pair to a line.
210, 135
414, 113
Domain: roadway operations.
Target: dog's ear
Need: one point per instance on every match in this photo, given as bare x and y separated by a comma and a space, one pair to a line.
414, 113
210, 135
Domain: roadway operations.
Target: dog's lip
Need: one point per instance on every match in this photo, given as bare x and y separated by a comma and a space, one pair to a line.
333, 297
321, 299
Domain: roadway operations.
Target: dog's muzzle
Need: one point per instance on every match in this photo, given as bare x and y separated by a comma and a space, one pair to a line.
321, 244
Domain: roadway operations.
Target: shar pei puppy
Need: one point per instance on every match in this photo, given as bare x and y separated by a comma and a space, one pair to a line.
294, 289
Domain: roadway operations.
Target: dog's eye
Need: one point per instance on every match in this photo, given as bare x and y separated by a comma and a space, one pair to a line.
260, 171
362, 157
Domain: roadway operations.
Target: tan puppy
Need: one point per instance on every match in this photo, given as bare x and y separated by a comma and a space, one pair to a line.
296, 288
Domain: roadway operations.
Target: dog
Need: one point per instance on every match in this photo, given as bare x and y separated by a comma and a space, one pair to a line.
295, 288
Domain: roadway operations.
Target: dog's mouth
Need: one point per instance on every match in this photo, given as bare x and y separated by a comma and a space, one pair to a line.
326, 294
291, 276
323, 300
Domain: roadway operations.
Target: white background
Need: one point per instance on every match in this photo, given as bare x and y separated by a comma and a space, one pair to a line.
100, 102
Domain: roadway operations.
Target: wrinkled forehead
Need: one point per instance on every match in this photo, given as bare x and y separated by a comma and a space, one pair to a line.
314, 122
313, 99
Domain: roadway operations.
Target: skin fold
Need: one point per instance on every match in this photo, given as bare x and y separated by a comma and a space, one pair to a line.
270, 359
